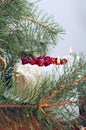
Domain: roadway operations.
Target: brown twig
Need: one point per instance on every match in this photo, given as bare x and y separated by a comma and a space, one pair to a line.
56, 103
5, 2
16, 106
61, 123
63, 88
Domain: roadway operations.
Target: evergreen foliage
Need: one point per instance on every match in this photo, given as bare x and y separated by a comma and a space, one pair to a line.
25, 30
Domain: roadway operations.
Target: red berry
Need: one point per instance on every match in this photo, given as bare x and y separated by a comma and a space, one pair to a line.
25, 60
47, 61
52, 60
32, 61
40, 61
35, 59
63, 61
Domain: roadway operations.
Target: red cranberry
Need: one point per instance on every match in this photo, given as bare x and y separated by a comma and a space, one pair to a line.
25, 60
32, 61
40, 62
63, 61
47, 61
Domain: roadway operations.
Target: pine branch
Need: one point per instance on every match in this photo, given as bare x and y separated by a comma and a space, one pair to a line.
63, 88
5, 2
17, 106
34, 106
34, 123
40, 24
56, 103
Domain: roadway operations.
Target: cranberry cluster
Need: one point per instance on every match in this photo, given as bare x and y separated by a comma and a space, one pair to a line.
43, 60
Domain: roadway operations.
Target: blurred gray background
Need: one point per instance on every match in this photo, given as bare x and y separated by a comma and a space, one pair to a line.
71, 15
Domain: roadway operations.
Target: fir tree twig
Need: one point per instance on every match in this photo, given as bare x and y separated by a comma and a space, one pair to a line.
56, 103
17, 106
40, 24
62, 89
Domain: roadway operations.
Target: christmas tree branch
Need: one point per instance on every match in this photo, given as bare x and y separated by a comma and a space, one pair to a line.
60, 122
63, 88
39, 24
56, 103
17, 106
5, 2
